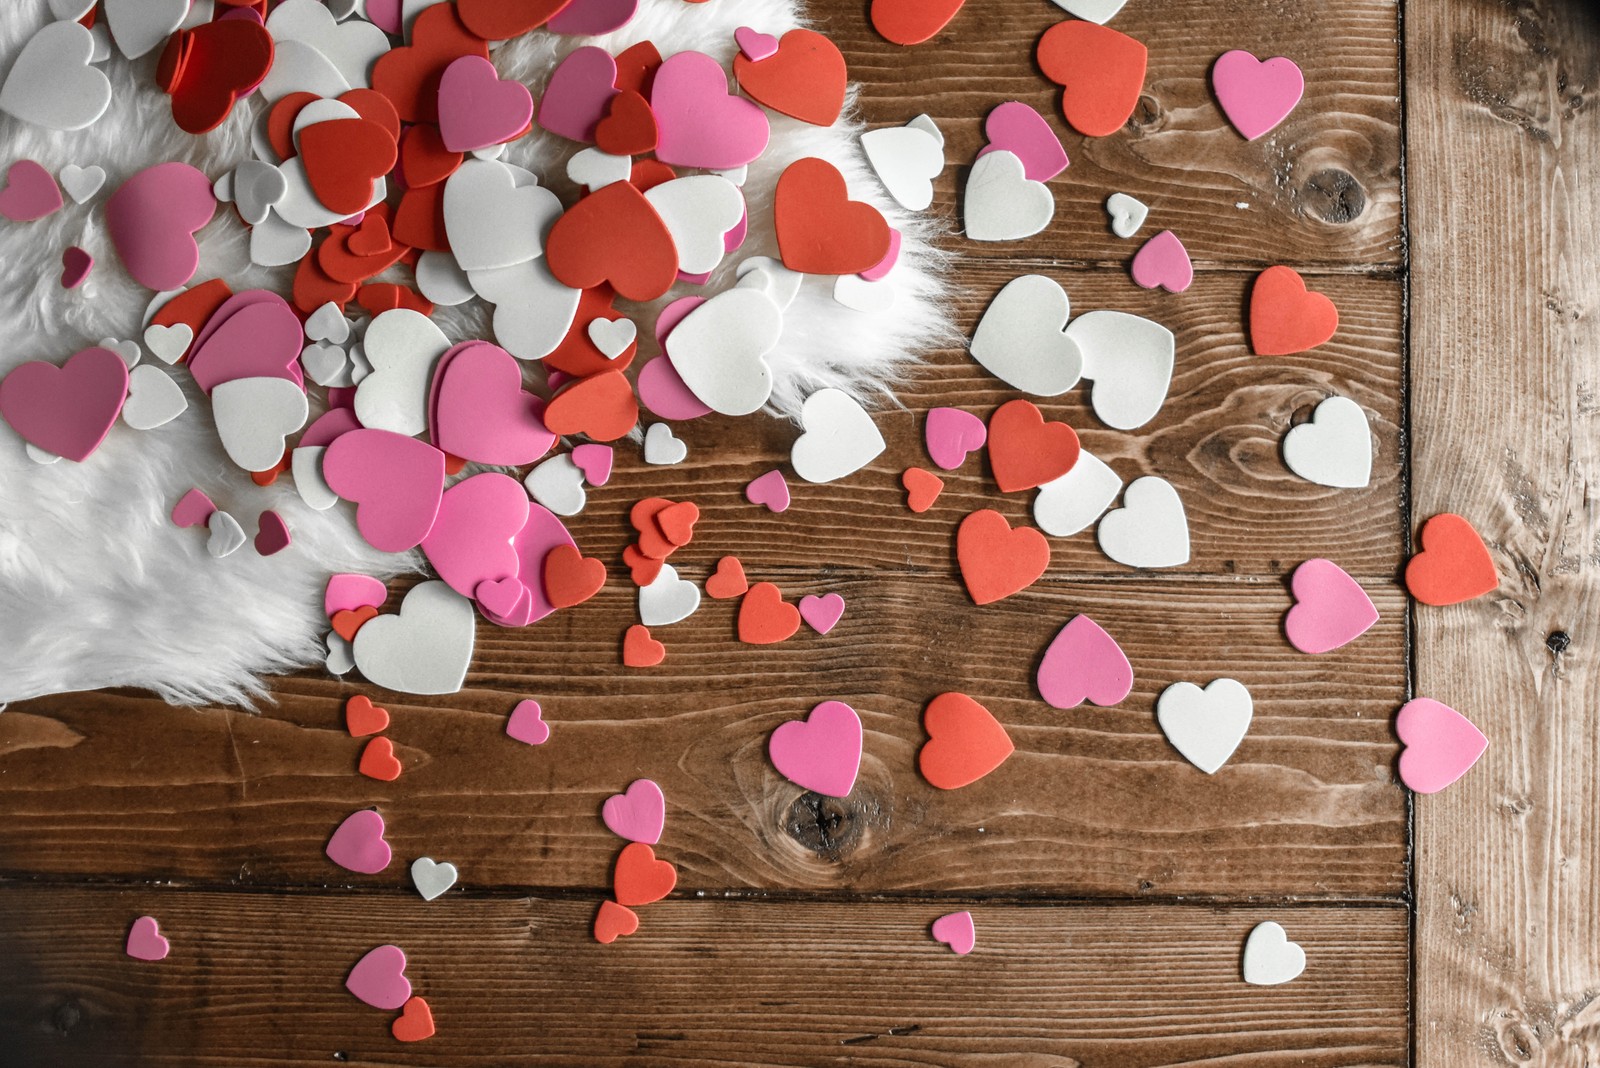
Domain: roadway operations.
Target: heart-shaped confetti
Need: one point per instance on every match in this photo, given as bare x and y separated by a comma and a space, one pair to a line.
1286, 318
1333, 447
639, 878
379, 978
432, 878
997, 561
614, 921
362, 717
1441, 744
922, 488
1331, 609
637, 814
965, 742
765, 618
66, 410
1270, 959
378, 760
641, 650
1255, 94
1453, 566
770, 489
1084, 663
527, 724
957, 931
30, 193
1205, 725
1100, 71
822, 614
728, 580
145, 940
822, 752
1016, 128
952, 434
1162, 262
357, 845
414, 1023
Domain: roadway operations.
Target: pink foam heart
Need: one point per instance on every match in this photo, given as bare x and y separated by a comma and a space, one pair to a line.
543, 531
755, 45
594, 461
957, 931
385, 14
1163, 261
952, 435
193, 510
482, 413
881, 269
638, 814
1441, 744
145, 941
30, 193
770, 489
1017, 128
470, 542
590, 17
1256, 95
822, 612
821, 752
579, 93
242, 299
152, 219
477, 109
664, 392
379, 978
347, 592
672, 315
75, 267
1084, 663
397, 483
329, 425
272, 533
734, 239
1331, 608
527, 723
357, 844
67, 410
260, 340
506, 602
698, 123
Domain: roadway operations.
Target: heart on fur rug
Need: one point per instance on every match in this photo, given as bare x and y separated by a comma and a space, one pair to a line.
94, 541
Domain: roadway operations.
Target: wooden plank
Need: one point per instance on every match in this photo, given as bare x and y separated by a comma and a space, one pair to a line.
1505, 195
1322, 189
258, 979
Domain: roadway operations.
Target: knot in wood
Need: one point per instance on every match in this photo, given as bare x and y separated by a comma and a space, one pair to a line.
65, 1017
827, 826
1558, 643
1334, 196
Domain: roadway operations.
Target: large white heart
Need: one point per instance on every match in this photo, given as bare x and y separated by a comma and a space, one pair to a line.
699, 211
1207, 725
254, 416
668, 599
402, 346
1270, 959
718, 349
1150, 529
907, 159
139, 25
154, 399
840, 437
1002, 202
51, 83
299, 68
425, 648
491, 220
352, 47
1129, 359
1070, 503
441, 279
532, 310
1022, 338
1334, 448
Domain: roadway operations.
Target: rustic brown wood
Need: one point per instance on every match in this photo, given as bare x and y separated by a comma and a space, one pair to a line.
1505, 194
258, 979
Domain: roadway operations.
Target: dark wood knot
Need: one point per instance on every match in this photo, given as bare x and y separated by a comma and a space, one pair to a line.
1334, 196
830, 827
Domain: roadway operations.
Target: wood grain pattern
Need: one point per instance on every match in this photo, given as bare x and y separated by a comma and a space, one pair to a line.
258, 979
1508, 879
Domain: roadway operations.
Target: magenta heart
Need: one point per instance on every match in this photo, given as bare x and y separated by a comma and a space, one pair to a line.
1256, 95
594, 461
67, 410
1163, 261
527, 723
638, 814
152, 219
477, 109
579, 93
542, 532
769, 489
1441, 744
957, 931
506, 602
242, 299
145, 941
755, 45
881, 269
664, 392
30, 192
822, 612
272, 533
358, 844
75, 267
591, 17
821, 752
397, 483
379, 978
192, 510
698, 123
260, 340
347, 592
482, 412
1084, 663
1019, 129
470, 542
952, 435
1331, 608
385, 14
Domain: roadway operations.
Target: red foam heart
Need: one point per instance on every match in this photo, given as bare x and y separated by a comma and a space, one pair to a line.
347, 621
636, 68
642, 569
419, 220
378, 297
677, 521
909, 22
361, 716
501, 20
639, 877
965, 742
995, 560
1100, 71
653, 541
313, 288
1285, 317
614, 921
414, 1023
226, 60
805, 78
423, 158
649, 173
344, 158
765, 618
280, 122
379, 762
601, 406
1454, 564
409, 76
629, 128
727, 580
374, 107
820, 229
613, 235
641, 650
570, 577
922, 488
1025, 451
357, 253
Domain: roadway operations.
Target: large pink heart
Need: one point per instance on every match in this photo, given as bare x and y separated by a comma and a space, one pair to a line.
1256, 95
471, 539
152, 219
357, 844
638, 814
1022, 131
483, 414
67, 410
590, 17
821, 752
379, 978
1331, 608
578, 94
1084, 663
477, 109
699, 124
260, 340
397, 483
1441, 744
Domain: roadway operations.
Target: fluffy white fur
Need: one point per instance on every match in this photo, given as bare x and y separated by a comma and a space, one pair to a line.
98, 588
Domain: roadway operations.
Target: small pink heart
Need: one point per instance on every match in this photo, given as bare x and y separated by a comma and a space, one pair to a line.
639, 814
397, 483
145, 941
579, 94
75, 267
756, 46
821, 752
1084, 663
699, 124
822, 612
385, 14
347, 592
477, 109
587, 18
482, 413
193, 510
506, 602
594, 461
957, 931
769, 489
1441, 744
881, 269
470, 542
272, 533
379, 978
1331, 608
259, 340
30, 192
357, 844
527, 724
952, 435
1256, 95
67, 410
1163, 261
1019, 129
152, 219
663, 391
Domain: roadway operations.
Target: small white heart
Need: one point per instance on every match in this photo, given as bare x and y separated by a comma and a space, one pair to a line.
660, 447
1070, 503
227, 536
558, 485
1270, 959
1150, 529
1334, 448
154, 399
840, 437
276, 242
254, 187
491, 220
1127, 214
128, 350
82, 183
51, 83
432, 878
668, 599
168, 343
612, 336
328, 323
1002, 202
906, 159
328, 365
1207, 725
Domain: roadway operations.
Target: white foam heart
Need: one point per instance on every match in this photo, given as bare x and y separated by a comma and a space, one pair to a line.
1207, 725
1150, 529
532, 310
425, 648
926, 124
352, 47
771, 277
1334, 448
70, 10
906, 159
840, 437
254, 416
128, 350
431, 877
226, 535
1129, 359
300, 206
154, 399
341, 658
491, 220
558, 485
102, 42
719, 348
858, 294
200, 13
51, 84
328, 365
737, 175
441, 279
597, 169
661, 448
359, 367
402, 346
612, 336
305, 463
1270, 959
138, 26
82, 183
167, 343
255, 188
1127, 214
275, 242
668, 599
489, 152
328, 323
1068, 504
316, 111
698, 211
299, 68
1100, 11
1022, 338
1002, 203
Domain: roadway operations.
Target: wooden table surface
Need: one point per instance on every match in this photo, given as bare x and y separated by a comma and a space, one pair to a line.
1441, 182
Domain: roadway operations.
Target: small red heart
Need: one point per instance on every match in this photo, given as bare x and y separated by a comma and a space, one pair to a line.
805, 78
372, 237
374, 107
653, 541
640, 878
922, 488
636, 68
765, 618
614, 235
1025, 451
641, 568
409, 75
1285, 317
614, 921
501, 20
965, 742
728, 580
423, 158
313, 288
362, 717
649, 173
415, 1021
1454, 564
677, 522
601, 406
349, 620
909, 22
1100, 71
571, 578
820, 229
226, 60
629, 128
378, 760
344, 158
997, 561
641, 650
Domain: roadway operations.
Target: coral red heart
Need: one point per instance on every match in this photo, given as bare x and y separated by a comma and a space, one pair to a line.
577, 354
613, 235
374, 107
409, 75
1285, 317
997, 561
361, 716
571, 578
225, 60
614, 921
676, 522
280, 122
965, 742
820, 229
1454, 564
640, 878
728, 580
423, 158
641, 650
378, 760
601, 406
765, 618
419, 219
642, 569
922, 488
909, 22
313, 288
344, 158
349, 620
1100, 71
415, 1021
805, 78
629, 128
501, 20
1025, 451
636, 68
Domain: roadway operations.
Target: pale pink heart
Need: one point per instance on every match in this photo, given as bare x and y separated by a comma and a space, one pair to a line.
482, 413
1256, 95
347, 592
543, 531
579, 93
821, 752
470, 542
75, 267
698, 123
385, 14
1017, 128
261, 340
332, 424
590, 17
1331, 608
594, 460
272, 533
396, 482
1441, 744
192, 510
822, 613
30, 193
1163, 261
152, 219
145, 940
357, 844
1084, 663
505, 602
770, 489
663, 391
957, 931
67, 410
242, 299
755, 45
881, 269
379, 978
527, 723
952, 435
638, 814
477, 109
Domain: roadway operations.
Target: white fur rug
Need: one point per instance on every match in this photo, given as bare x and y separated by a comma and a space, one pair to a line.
98, 588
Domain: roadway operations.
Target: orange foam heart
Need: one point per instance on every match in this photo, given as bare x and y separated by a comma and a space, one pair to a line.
636, 67
577, 354
653, 541
378, 760
409, 75
419, 218
1285, 317
676, 522
280, 122
349, 620
765, 618
639, 877
362, 717
728, 580
415, 1021
805, 78
922, 488
376, 298
997, 561
423, 158
965, 742
501, 20
629, 127
313, 288
1025, 451
343, 159
614, 921
641, 650
820, 229
1100, 71
601, 406
642, 568
613, 235
571, 578
1454, 564
374, 107
909, 22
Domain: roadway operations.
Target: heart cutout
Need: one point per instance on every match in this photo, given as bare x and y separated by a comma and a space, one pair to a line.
1331, 609
638, 813
821, 753
922, 488
347, 622
379, 978
378, 760
641, 650
639, 878
1025, 450
526, 724
570, 578
1286, 318
957, 931
765, 618
362, 717
145, 940
1084, 663
820, 229
909, 22
1441, 745
965, 742
804, 78
614, 921
1100, 71
1453, 566
997, 561
357, 845
344, 160
66, 410
728, 580
415, 1022
614, 236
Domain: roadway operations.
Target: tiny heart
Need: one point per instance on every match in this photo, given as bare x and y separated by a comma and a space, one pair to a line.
378, 761
1331, 609
1285, 318
997, 561
379, 978
152, 219
226, 535
700, 123
75, 267
1017, 128
1441, 745
822, 613
639, 878
1332, 448
637, 814
1084, 663
661, 448
765, 618
922, 488
1100, 71
503, 599
594, 461
965, 742
432, 878
1127, 214
1162, 262
30, 192
346, 622
951, 434
570, 578
641, 568
641, 650
357, 845
804, 77
1025, 451
909, 22
770, 489
822, 752
414, 1023
956, 930
272, 533
347, 590
1270, 959
1453, 566
362, 717
66, 410
1255, 94
820, 229
755, 45
676, 521
728, 580
145, 940
1207, 725
527, 723
477, 109
614, 921
192, 509
80, 183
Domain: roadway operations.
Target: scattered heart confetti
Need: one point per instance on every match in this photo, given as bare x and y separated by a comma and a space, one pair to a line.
951, 435
997, 561
30, 193
639, 878
1101, 73
379, 978
765, 618
1207, 725
526, 723
614, 921
728, 580
145, 940
957, 931
362, 717
1127, 214
770, 489
822, 614
432, 878
1334, 447
1162, 262
1330, 610
922, 488
1084, 663
1150, 529
1454, 564
414, 1023
641, 650
822, 752
379, 762
1270, 959
1440, 745
965, 742
638, 813
1255, 94
1285, 317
